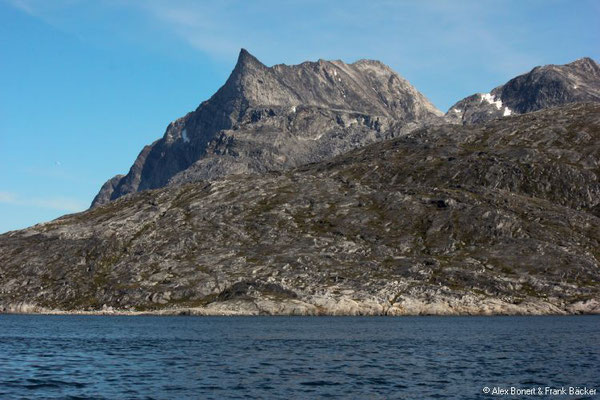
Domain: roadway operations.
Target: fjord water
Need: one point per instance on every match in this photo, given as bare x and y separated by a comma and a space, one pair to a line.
114, 357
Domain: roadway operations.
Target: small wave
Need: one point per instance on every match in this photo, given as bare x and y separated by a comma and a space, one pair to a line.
319, 383
33, 384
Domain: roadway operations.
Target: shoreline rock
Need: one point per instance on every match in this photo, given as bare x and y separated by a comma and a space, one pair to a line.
344, 307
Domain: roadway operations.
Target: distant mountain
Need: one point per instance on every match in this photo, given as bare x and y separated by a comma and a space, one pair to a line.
542, 87
273, 118
502, 217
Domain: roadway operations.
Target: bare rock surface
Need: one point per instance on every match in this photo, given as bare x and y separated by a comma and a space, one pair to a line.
499, 218
543, 87
274, 118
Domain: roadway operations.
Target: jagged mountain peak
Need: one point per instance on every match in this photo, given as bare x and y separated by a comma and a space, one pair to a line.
245, 58
364, 86
277, 117
246, 63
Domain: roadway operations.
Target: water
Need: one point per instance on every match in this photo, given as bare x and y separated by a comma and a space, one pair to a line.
47, 357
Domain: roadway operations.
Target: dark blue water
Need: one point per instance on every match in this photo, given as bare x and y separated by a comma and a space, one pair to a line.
293, 358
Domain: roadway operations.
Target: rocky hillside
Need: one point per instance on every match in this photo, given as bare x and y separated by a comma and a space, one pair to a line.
276, 118
542, 87
496, 218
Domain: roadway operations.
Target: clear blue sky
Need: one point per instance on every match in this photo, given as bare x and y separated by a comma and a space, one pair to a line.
84, 85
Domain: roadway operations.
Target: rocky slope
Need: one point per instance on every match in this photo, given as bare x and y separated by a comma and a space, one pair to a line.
495, 218
542, 87
276, 118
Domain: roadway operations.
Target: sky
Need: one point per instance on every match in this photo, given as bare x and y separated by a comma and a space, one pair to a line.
84, 84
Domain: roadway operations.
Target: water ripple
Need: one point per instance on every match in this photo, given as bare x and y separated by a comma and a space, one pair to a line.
85, 357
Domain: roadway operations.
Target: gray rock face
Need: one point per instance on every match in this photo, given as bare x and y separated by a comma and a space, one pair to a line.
276, 118
542, 87
496, 218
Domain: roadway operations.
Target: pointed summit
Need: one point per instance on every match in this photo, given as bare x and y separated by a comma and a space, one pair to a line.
246, 72
245, 59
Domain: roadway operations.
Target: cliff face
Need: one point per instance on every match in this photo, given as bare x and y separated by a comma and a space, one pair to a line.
266, 118
543, 87
502, 217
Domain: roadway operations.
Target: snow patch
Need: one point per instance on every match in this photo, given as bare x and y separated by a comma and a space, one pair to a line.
574, 86
293, 109
334, 72
184, 136
339, 79
507, 112
491, 99
456, 110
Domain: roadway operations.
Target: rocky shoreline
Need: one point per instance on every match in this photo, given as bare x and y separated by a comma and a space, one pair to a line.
323, 306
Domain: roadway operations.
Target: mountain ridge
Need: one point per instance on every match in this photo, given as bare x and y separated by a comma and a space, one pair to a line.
250, 124
543, 87
328, 91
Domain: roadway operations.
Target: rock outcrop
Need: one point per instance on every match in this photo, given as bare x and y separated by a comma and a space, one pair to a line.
542, 87
274, 118
502, 217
